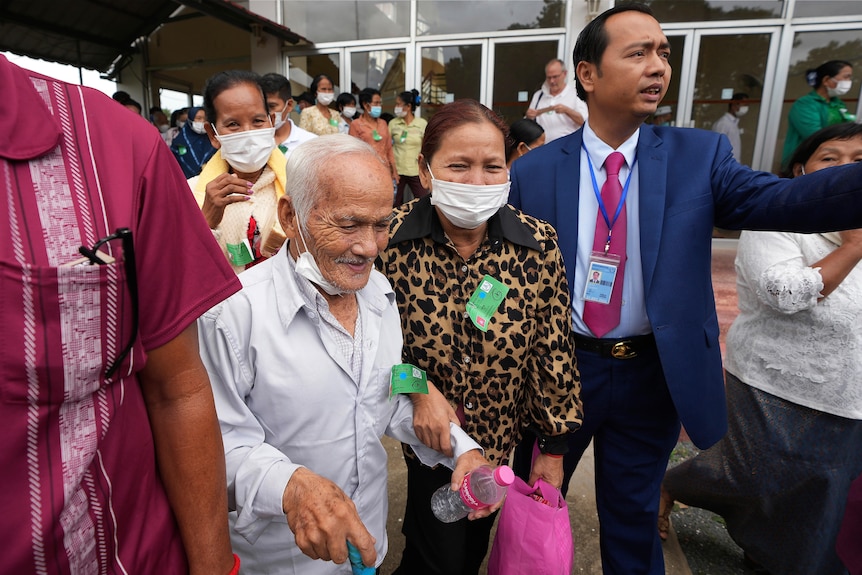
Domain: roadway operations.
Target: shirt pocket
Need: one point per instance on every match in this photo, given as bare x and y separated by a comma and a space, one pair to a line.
62, 327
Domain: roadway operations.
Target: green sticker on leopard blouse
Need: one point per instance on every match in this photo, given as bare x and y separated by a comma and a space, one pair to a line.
407, 378
485, 300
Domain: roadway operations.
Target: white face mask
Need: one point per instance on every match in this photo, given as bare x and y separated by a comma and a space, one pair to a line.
400, 112
307, 267
841, 88
348, 111
247, 151
743, 110
199, 127
467, 206
280, 119
164, 128
325, 98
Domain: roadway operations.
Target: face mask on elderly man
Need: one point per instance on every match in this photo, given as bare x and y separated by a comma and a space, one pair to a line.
467, 206
307, 267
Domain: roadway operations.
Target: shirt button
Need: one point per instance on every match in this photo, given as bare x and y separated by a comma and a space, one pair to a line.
312, 316
464, 269
466, 360
466, 315
469, 405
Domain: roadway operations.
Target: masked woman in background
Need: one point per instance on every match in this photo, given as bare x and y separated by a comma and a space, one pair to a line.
191, 146
821, 107
320, 119
238, 189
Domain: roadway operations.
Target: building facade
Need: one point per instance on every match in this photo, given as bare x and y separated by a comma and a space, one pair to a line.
495, 51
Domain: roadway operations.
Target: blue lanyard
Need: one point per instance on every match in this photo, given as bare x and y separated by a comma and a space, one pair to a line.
608, 222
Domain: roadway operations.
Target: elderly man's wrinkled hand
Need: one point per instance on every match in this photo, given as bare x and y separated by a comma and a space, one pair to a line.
431, 417
323, 519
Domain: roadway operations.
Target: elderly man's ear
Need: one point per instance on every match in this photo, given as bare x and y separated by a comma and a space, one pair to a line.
287, 216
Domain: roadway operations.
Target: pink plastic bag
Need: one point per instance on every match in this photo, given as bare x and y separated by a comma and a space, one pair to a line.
533, 537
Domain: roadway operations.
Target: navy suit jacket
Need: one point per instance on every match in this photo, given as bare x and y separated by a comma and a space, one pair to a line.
688, 183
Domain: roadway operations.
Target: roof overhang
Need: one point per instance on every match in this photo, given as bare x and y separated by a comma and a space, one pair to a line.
102, 34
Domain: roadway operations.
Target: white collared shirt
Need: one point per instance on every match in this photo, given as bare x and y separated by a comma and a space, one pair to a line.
287, 398
558, 125
296, 137
633, 317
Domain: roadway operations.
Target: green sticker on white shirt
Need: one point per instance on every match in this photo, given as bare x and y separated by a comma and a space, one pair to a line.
407, 378
485, 300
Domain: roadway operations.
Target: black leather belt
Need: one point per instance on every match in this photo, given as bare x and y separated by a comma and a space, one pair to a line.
626, 348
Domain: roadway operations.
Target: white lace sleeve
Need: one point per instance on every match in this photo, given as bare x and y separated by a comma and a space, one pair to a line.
774, 262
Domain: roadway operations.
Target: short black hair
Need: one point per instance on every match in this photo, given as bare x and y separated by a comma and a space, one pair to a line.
366, 95
806, 149
218, 83
523, 130
593, 39
344, 99
273, 83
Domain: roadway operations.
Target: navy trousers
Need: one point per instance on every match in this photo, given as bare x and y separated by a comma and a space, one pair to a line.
630, 416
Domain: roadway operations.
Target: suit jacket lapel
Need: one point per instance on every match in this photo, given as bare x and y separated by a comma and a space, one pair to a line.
568, 177
652, 182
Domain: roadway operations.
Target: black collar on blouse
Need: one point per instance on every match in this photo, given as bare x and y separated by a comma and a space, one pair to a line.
422, 221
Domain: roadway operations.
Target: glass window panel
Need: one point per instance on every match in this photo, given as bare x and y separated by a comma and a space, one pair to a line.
815, 8
520, 67
710, 10
733, 63
448, 17
810, 49
379, 69
449, 73
341, 20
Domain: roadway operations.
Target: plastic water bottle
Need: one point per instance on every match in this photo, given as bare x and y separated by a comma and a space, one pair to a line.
356, 563
484, 487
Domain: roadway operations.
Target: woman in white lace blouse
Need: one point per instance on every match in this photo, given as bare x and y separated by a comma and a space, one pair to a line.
794, 390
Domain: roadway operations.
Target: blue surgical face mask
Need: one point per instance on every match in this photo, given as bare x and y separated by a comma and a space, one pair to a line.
376, 111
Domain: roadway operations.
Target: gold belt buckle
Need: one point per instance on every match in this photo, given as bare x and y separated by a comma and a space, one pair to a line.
623, 350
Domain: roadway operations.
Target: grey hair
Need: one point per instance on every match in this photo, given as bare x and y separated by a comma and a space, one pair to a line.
556, 61
305, 168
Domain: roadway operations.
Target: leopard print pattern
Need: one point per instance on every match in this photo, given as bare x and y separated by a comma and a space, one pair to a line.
522, 371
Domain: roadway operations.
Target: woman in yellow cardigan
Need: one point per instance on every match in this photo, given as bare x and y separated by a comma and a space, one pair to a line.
239, 187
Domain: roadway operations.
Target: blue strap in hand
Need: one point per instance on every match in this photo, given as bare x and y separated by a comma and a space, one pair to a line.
356, 563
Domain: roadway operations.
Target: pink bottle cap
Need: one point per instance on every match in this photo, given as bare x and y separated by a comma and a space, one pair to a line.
504, 475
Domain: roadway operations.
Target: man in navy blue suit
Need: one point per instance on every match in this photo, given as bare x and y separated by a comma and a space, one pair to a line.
658, 361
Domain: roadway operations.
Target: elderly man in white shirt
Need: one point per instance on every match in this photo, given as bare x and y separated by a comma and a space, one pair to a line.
556, 106
300, 363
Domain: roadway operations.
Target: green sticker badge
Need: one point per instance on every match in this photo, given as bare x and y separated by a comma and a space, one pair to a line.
485, 300
239, 254
407, 378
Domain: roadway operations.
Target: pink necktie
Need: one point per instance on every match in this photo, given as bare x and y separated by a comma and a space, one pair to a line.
602, 318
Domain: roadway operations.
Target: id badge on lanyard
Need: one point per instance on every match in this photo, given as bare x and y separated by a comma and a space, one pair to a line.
603, 266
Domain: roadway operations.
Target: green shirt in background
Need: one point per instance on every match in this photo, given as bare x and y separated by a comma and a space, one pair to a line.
406, 143
808, 114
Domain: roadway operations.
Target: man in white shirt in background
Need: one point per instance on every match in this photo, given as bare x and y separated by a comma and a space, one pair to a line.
279, 101
728, 124
556, 106
301, 360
